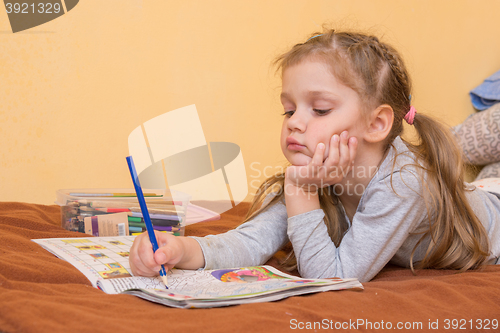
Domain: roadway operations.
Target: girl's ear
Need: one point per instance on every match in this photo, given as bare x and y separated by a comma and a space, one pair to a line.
379, 123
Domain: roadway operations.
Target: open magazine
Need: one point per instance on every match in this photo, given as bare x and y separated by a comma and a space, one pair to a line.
104, 261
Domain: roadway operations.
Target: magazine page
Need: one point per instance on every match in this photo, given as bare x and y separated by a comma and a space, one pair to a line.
98, 258
104, 261
235, 286
116, 286
180, 301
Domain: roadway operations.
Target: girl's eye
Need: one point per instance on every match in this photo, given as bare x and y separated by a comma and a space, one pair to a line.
322, 112
288, 113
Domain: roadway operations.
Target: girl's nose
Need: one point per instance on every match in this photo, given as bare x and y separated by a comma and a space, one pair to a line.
297, 122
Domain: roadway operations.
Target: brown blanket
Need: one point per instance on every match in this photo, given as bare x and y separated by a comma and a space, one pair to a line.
41, 293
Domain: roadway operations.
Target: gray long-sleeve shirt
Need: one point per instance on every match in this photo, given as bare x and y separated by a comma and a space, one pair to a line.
380, 231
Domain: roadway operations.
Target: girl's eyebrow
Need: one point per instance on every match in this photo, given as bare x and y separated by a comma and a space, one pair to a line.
284, 95
323, 93
313, 93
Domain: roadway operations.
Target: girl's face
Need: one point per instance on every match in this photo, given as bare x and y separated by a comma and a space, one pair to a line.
317, 106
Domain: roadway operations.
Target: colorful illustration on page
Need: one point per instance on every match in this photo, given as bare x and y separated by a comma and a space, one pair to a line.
245, 275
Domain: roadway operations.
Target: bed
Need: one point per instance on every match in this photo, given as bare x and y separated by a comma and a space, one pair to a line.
41, 293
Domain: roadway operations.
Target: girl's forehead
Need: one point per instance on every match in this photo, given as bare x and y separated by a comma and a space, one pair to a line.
334, 67
338, 71
309, 69
312, 74
321, 60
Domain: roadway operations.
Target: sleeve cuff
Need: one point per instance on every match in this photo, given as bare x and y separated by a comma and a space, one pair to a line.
200, 241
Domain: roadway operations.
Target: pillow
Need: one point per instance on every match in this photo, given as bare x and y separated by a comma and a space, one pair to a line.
490, 171
479, 136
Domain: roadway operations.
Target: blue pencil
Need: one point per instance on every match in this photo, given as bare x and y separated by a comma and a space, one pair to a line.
145, 213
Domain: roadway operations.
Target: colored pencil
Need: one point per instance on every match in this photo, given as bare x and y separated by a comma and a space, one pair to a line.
112, 210
147, 219
156, 227
134, 219
134, 229
154, 221
155, 211
157, 216
165, 204
85, 194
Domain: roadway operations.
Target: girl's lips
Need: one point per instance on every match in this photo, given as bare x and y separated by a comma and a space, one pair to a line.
293, 144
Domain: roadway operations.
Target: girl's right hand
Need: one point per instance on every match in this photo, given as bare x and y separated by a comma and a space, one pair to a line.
321, 171
144, 262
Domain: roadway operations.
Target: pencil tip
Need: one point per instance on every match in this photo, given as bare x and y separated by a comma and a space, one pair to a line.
164, 279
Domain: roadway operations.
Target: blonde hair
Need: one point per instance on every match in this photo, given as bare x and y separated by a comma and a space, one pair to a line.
377, 73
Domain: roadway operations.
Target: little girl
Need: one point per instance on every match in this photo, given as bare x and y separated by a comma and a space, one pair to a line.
356, 195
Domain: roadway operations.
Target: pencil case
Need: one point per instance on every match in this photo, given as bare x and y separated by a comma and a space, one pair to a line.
167, 210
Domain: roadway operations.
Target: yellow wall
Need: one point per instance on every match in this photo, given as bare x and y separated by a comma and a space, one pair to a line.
72, 90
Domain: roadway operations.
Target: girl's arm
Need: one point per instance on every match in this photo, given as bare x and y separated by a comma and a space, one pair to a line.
382, 223
252, 243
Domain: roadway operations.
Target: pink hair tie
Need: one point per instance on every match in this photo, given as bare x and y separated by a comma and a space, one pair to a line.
410, 115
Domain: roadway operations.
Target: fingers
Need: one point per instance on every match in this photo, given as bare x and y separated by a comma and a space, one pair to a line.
344, 159
146, 263
141, 256
334, 153
342, 151
168, 253
317, 159
326, 167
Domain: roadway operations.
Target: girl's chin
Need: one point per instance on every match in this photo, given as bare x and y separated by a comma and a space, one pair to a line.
302, 160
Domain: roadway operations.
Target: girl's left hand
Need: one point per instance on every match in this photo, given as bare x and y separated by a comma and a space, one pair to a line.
322, 172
